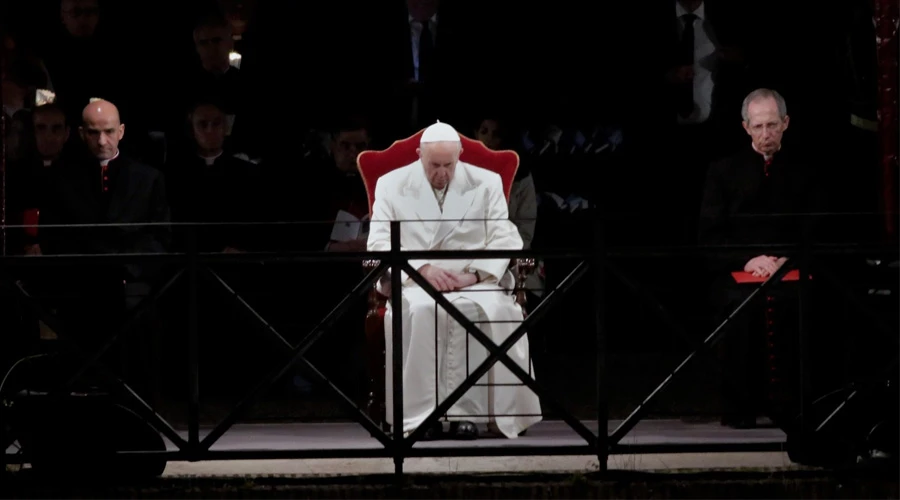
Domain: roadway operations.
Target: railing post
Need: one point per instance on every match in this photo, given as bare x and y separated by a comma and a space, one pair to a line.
2, 180
193, 343
3, 126
598, 265
397, 348
804, 310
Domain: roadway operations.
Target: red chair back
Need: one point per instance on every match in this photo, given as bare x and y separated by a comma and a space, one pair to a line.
373, 164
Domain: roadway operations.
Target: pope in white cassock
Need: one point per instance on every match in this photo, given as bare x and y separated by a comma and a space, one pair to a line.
445, 204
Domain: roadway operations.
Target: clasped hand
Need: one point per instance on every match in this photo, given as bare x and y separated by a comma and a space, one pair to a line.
764, 265
446, 281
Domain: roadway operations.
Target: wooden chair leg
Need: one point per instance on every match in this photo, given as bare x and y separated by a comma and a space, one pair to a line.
375, 353
524, 268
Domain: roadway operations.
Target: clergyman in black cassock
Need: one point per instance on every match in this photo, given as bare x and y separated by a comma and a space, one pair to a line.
754, 197
105, 203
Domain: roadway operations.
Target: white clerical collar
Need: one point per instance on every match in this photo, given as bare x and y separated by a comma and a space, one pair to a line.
47, 163
700, 12
765, 156
104, 163
209, 160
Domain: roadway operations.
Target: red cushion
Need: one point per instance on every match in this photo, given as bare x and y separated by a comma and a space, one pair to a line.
374, 164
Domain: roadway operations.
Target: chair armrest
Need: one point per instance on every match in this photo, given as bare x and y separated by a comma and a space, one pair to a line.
524, 267
376, 299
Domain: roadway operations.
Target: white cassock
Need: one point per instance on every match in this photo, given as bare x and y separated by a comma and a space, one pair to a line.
437, 353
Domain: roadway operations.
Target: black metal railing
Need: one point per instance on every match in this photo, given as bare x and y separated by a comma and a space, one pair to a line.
597, 263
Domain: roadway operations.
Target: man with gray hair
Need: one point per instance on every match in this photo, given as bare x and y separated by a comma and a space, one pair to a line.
741, 191
447, 204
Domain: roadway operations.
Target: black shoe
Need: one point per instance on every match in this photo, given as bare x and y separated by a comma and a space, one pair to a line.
435, 432
463, 430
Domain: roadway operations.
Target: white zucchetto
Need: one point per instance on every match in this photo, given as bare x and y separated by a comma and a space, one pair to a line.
439, 132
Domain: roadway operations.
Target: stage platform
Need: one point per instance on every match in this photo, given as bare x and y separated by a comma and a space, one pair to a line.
346, 448
245, 441
490, 472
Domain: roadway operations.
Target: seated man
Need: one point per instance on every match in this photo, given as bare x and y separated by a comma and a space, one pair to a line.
452, 205
753, 198
104, 202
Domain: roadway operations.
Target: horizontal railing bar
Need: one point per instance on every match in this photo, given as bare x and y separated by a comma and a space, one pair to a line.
604, 215
723, 447
614, 252
420, 451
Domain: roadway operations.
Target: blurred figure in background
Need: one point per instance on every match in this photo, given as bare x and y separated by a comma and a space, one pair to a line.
494, 132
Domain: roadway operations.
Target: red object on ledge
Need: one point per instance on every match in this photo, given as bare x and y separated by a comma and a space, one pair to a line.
745, 277
31, 217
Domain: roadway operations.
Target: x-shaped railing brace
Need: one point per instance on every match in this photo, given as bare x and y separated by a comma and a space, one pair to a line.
628, 424
296, 351
880, 325
652, 302
638, 413
497, 353
62, 333
126, 328
297, 356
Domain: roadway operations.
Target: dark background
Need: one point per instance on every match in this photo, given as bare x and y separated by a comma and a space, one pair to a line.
567, 62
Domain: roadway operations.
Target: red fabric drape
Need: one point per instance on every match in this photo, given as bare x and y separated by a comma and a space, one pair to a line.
887, 17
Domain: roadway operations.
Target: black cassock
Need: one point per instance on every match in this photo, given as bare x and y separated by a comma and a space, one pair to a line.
127, 196
742, 197
221, 202
101, 210
226, 194
749, 201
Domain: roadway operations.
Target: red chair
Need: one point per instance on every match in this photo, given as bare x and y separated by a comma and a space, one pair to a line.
374, 164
